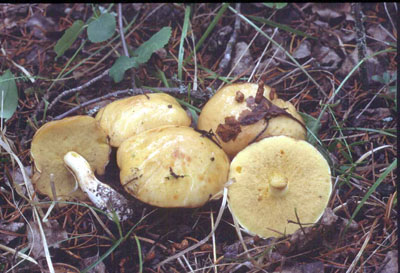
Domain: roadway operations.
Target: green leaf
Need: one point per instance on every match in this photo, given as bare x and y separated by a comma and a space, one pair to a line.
102, 28
312, 124
275, 5
69, 37
122, 64
142, 54
8, 95
157, 41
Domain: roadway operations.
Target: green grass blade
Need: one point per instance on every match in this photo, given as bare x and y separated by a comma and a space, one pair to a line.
278, 45
183, 36
370, 191
282, 26
348, 77
385, 132
208, 30
139, 254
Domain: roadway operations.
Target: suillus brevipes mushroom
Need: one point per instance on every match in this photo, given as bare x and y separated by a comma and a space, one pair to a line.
242, 113
278, 182
102, 195
53, 140
172, 166
129, 116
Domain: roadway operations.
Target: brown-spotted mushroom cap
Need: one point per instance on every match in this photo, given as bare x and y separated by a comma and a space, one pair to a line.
274, 179
53, 140
172, 166
224, 111
126, 117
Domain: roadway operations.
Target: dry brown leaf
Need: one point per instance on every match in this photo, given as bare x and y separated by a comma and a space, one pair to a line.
315, 267
303, 51
246, 63
99, 268
327, 58
12, 227
54, 235
329, 11
390, 263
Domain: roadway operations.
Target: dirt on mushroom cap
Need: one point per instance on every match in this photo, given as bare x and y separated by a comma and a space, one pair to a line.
290, 162
172, 166
53, 140
230, 102
129, 116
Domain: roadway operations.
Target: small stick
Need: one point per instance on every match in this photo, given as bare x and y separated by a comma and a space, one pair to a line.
135, 91
121, 30
76, 89
361, 41
228, 50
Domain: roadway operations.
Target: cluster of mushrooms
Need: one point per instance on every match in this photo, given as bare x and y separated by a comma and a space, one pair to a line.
245, 135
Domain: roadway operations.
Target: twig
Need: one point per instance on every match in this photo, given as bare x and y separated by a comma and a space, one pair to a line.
361, 41
121, 30
76, 89
136, 91
390, 18
124, 46
232, 41
358, 256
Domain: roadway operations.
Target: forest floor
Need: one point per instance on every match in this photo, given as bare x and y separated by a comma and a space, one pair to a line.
336, 63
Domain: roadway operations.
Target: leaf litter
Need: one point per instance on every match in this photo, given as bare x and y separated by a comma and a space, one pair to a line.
329, 59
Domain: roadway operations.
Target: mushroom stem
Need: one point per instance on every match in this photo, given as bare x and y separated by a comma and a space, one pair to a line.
102, 195
279, 185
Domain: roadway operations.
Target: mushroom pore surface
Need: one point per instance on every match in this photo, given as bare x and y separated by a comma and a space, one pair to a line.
276, 178
172, 166
56, 138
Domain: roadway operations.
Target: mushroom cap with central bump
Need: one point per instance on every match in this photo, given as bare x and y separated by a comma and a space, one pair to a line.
56, 138
172, 166
129, 116
276, 178
231, 101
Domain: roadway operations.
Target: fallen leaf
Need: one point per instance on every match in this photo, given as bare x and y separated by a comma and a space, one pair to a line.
99, 268
229, 130
328, 11
390, 263
315, 267
12, 227
378, 33
327, 57
303, 51
219, 39
242, 64
54, 235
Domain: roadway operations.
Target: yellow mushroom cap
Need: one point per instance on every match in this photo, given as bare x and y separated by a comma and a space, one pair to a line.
284, 125
172, 166
274, 179
231, 101
56, 138
126, 117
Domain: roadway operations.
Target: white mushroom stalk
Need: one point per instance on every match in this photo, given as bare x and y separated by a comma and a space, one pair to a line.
102, 195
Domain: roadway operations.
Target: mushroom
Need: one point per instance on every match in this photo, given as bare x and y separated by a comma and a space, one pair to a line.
102, 195
172, 166
240, 114
277, 180
129, 116
53, 140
